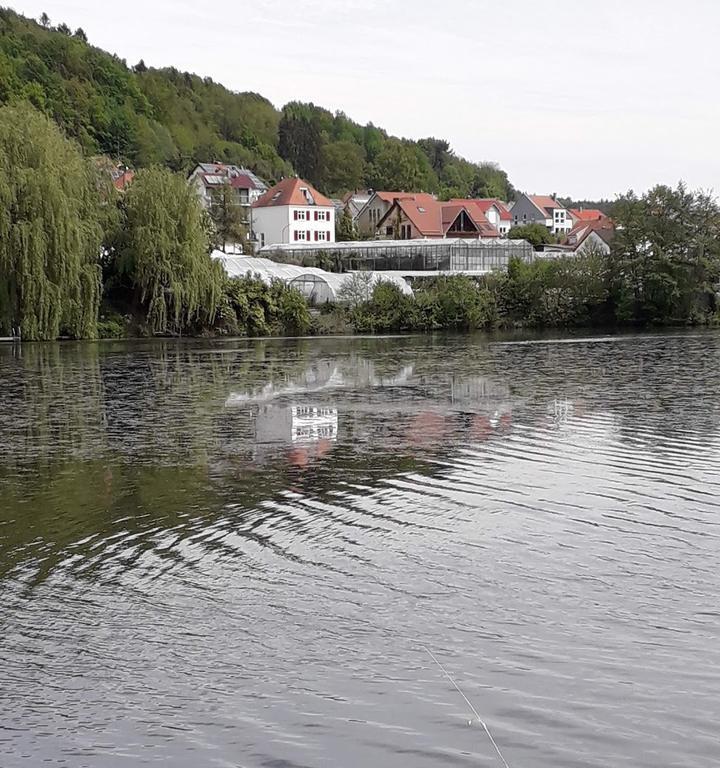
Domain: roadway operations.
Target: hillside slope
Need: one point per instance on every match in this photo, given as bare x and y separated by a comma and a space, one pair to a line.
149, 116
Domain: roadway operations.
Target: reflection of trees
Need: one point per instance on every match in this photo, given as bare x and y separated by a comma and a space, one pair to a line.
135, 441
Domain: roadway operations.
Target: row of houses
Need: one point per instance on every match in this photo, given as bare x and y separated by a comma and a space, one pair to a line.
294, 212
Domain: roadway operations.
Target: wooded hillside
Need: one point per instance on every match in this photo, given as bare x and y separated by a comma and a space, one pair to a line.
147, 116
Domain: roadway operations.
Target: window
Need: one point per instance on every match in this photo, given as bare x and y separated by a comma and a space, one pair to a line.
301, 235
388, 230
322, 236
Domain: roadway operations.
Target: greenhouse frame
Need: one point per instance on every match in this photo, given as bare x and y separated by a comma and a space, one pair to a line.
409, 257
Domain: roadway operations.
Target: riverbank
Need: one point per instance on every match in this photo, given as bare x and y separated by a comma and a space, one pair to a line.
544, 295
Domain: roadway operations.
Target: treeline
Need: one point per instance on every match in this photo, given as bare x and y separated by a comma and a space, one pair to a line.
165, 117
79, 260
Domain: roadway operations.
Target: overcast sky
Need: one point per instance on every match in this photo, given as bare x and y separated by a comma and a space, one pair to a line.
587, 98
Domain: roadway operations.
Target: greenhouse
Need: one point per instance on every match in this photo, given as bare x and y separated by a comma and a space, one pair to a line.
409, 257
317, 285
320, 287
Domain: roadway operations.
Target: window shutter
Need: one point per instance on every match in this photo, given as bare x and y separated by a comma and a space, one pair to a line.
328, 236
308, 234
296, 234
316, 234
295, 215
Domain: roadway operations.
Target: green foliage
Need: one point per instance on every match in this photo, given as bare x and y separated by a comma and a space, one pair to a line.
249, 307
489, 180
300, 140
145, 116
542, 294
535, 234
50, 231
665, 260
445, 303
112, 326
402, 166
546, 293
228, 218
163, 253
343, 166
346, 229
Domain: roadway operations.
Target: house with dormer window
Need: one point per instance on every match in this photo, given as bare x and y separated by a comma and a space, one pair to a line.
293, 211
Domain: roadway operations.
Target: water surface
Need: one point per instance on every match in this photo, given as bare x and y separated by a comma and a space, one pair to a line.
232, 554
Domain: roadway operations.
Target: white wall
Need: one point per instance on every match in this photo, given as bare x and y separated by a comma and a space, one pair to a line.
561, 222
276, 224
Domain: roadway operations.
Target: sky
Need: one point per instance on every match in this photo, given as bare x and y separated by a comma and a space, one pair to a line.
586, 99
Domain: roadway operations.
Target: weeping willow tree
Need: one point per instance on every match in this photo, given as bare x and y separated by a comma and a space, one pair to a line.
164, 253
50, 234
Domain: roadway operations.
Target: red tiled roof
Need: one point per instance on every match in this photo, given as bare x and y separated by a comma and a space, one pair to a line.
545, 202
587, 214
484, 204
288, 192
604, 227
474, 211
424, 213
433, 219
391, 197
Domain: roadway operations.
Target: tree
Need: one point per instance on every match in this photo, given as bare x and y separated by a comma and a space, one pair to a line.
665, 257
346, 229
163, 252
402, 167
50, 233
63, 29
357, 288
437, 152
45, 20
535, 234
80, 34
491, 181
140, 67
228, 218
300, 141
343, 166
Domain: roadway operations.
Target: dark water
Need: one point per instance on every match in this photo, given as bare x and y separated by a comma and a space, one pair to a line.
231, 554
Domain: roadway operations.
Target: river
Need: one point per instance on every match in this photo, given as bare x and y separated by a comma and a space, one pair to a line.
241, 553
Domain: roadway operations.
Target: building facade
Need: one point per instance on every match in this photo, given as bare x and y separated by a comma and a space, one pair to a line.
209, 178
542, 209
374, 210
293, 211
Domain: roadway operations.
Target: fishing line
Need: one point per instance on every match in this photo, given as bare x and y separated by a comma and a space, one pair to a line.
468, 702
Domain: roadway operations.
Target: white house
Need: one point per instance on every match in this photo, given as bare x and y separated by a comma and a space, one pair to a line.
293, 211
209, 178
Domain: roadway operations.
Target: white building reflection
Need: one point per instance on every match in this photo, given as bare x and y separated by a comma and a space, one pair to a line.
296, 424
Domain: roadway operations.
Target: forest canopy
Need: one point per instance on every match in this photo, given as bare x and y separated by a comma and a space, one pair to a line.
144, 116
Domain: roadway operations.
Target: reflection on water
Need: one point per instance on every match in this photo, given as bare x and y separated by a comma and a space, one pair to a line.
229, 553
